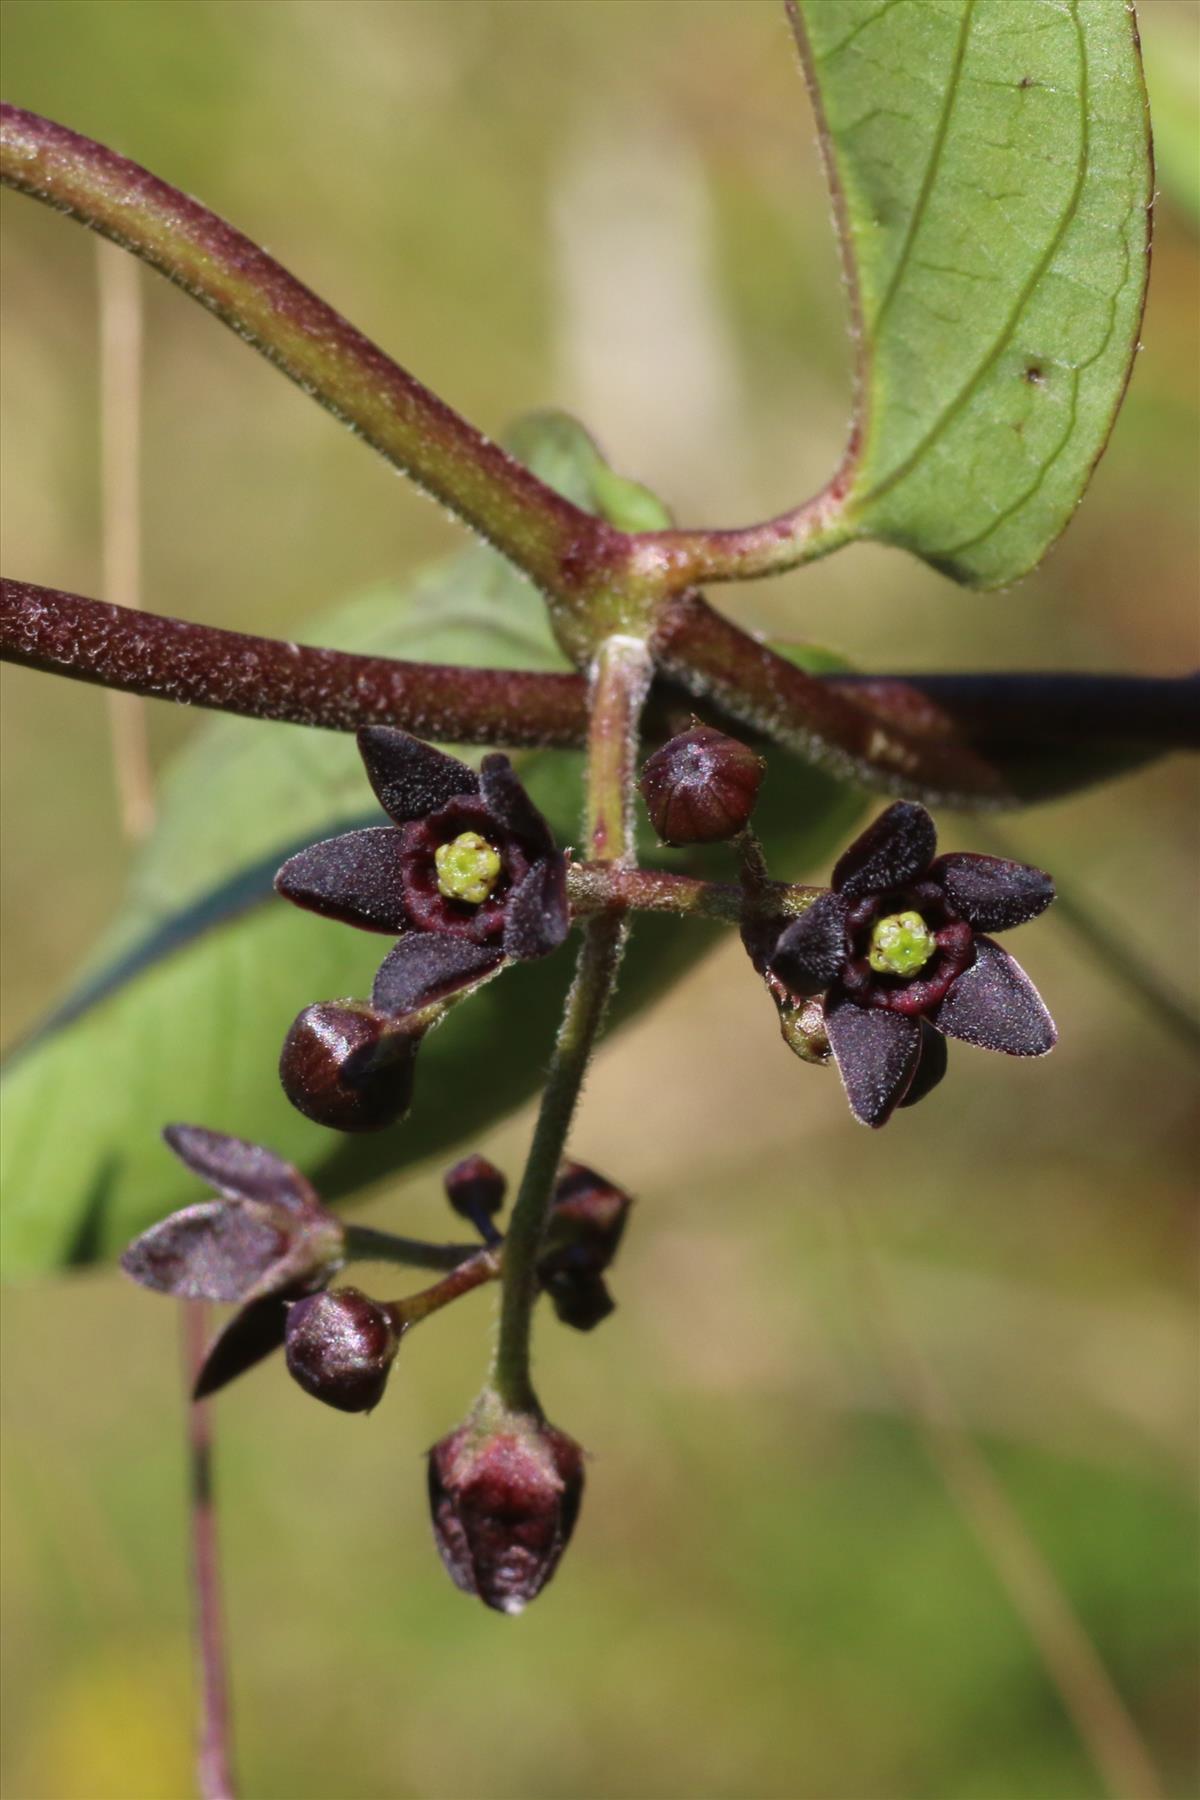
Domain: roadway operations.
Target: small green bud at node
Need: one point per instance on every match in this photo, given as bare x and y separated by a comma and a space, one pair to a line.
468, 868
901, 944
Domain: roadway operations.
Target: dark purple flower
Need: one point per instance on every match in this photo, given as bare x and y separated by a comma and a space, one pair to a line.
265, 1242
504, 1494
898, 953
583, 1234
468, 856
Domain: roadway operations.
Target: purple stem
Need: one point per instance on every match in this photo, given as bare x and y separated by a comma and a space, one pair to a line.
556, 543
958, 727
214, 1778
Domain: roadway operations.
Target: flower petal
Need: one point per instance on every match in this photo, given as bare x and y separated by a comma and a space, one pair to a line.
898, 847
536, 918
991, 893
428, 966
876, 1054
250, 1335
813, 948
410, 778
356, 878
932, 1066
242, 1171
995, 1005
511, 805
217, 1250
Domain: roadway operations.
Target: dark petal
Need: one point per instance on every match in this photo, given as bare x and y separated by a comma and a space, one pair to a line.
580, 1301
536, 917
876, 1055
995, 1005
214, 1251
896, 849
241, 1170
813, 948
990, 892
426, 967
249, 1336
932, 1066
511, 806
411, 778
357, 878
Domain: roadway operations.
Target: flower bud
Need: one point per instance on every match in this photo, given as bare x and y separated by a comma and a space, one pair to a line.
348, 1066
701, 786
585, 1226
475, 1189
581, 1301
340, 1348
504, 1492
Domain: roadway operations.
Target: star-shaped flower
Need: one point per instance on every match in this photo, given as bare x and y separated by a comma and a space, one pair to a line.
467, 856
898, 951
265, 1242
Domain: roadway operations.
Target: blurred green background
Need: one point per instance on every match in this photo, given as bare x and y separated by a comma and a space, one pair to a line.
615, 208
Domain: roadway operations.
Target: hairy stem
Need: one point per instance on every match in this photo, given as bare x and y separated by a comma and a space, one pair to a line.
472, 1272
620, 680
552, 540
1022, 736
599, 887
364, 1244
214, 1777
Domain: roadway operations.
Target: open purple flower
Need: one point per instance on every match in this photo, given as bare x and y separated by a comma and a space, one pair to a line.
468, 857
265, 1242
898, 951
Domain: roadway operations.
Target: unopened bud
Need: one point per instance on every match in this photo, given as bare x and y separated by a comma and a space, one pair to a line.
585, 1226
701, 786
504, 1492
340, 1348
581, 1301
348, 1066
475, 1189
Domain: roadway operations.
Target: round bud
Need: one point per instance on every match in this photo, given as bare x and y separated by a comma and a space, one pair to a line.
340, 1347
701, 786
475, 1188
346, 1066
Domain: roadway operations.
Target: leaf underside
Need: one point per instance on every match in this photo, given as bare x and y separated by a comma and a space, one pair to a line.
182, 1011
991, 172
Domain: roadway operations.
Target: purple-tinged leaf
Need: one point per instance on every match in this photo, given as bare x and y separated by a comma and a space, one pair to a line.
897, 848
410, 778
990, 892
876, 1054
355, 878
995, 1005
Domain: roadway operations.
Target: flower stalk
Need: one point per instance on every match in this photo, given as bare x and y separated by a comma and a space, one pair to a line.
620, 682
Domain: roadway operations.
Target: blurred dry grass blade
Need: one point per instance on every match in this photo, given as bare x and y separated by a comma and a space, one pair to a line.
119, 294
1068, 1654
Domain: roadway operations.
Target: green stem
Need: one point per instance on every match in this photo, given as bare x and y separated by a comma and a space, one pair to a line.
364, 1244
620, 682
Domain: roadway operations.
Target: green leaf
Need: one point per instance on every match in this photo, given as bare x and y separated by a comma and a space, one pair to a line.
181, 1013
990, 164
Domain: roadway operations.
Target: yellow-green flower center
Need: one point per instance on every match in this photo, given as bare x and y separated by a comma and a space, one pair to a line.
468, 868
901, 944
